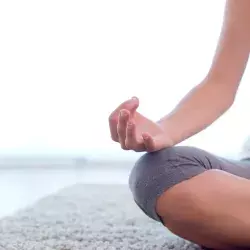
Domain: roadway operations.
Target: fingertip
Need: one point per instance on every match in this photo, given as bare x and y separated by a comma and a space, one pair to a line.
145, 136
148, 142
131, 103
135, 102
135, 98
124, 113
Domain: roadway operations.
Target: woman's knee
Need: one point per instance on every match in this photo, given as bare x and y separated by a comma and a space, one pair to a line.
154, 173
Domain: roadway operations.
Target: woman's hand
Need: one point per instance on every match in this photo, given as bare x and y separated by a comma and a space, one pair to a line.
134, 131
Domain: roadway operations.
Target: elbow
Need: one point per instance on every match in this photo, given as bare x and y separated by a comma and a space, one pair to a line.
224, 105
229, 101
223, 88
224, 94
232, 93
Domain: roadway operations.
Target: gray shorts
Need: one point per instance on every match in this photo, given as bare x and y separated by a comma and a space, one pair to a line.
155, 172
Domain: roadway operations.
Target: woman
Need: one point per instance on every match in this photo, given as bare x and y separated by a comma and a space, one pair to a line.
198, 196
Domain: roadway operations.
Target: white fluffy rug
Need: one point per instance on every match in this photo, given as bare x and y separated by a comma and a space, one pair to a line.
86, 217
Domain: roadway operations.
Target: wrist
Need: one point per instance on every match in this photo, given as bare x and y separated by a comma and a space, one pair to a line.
167, 133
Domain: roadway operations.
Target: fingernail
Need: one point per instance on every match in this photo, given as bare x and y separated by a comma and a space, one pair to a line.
123, 114
134, 98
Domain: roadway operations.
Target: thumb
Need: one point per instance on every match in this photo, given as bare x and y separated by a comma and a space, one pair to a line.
155, 143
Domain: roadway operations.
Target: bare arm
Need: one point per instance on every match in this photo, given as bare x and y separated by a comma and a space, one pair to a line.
216, 93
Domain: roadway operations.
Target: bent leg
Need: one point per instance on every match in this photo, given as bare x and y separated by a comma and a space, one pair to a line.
211, 209
185, 189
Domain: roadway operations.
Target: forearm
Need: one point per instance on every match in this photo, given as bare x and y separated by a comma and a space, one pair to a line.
210, 99
197, 110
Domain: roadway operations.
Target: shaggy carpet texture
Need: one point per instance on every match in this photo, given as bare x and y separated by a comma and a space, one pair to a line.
87, 217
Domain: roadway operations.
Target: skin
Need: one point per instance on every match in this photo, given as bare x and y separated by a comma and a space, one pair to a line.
209, 215
227, 198
220, 85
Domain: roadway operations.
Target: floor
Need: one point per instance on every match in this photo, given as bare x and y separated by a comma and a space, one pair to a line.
22, 187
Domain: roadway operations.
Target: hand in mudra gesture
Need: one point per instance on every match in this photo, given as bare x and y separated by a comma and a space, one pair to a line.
134, 131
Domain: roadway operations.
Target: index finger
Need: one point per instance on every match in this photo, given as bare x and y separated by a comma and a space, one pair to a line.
130, 105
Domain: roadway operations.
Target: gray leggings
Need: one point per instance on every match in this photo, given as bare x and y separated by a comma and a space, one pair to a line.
155, 172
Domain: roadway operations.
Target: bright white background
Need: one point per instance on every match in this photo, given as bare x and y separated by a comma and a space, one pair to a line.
65, 65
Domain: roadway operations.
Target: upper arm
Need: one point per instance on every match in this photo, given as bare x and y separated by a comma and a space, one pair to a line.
232, 51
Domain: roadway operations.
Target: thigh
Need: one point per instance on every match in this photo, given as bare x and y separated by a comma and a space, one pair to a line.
211, 161
154, 173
